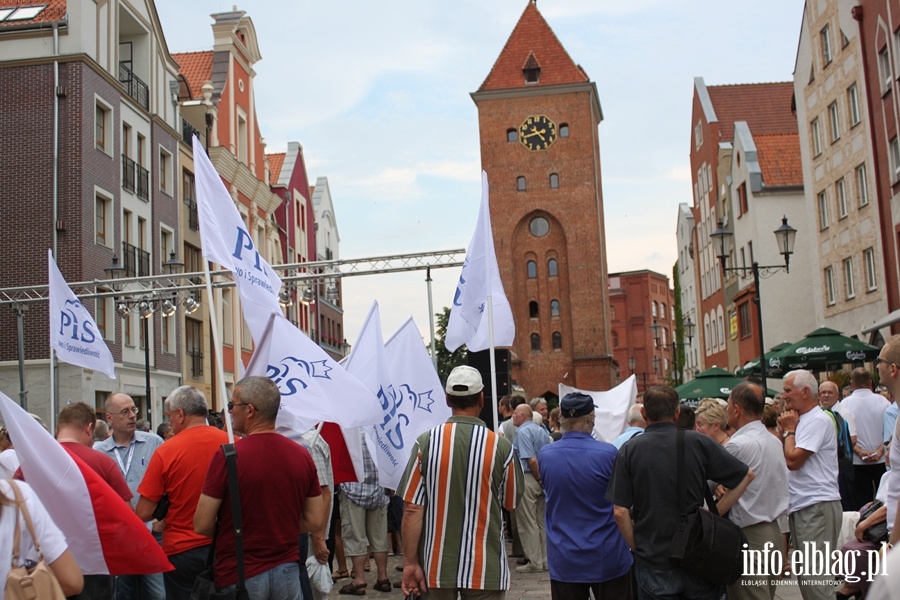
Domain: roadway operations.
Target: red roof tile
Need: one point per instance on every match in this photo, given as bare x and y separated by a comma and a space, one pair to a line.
779, 159
54, 10
196, 67
532, 36
276, 161
765, 106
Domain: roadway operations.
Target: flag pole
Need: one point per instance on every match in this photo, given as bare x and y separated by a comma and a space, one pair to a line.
217, 350
54, 393
431, 317
486, 219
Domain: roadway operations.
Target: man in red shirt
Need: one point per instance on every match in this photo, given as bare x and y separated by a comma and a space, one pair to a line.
277, 504
177, 470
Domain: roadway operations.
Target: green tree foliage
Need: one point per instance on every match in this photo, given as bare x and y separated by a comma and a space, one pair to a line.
446, 360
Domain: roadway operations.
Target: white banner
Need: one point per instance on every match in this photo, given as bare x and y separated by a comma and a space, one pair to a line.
480, 278
610, 408
226, 240
313, 386
73, 333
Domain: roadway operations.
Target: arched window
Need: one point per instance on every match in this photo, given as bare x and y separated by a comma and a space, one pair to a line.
554, 308
531, 267
663, 313
554, 181
653, 308
520, 183
535, 342
563, 130
612, 312
557, 340
533, 310
512, 135
552, 268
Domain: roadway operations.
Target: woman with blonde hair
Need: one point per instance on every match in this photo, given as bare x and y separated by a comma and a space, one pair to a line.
712, 421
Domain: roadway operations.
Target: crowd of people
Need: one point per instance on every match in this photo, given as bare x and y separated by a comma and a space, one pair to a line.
791, 472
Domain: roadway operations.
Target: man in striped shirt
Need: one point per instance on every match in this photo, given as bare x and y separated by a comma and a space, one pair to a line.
458, 477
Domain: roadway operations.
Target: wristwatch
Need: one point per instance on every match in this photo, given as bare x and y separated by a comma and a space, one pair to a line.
787, 433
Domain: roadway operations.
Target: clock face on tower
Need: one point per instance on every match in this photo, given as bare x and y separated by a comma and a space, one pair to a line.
537, 133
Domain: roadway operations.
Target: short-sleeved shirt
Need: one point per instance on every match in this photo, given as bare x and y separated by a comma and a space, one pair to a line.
462, 473
817, 480
645, 479
178, 468
868, 409
321, 455
51, 539
133, 458
529, 441
272, 501
103, 465
584, 544
766, 498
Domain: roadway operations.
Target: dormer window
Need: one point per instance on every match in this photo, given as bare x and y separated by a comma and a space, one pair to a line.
532, 70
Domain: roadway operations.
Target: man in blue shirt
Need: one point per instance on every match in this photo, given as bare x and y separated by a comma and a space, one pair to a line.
585, 549
636, 426
530, 438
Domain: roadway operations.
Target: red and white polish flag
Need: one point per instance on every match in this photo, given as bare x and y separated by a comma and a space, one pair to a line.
102, 531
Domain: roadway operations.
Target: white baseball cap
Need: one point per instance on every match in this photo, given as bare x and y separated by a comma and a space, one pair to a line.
464, 381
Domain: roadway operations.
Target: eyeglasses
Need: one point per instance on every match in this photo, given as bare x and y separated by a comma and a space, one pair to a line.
132, 410
231, 405
881, 361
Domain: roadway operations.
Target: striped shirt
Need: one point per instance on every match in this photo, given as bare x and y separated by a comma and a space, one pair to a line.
462, 473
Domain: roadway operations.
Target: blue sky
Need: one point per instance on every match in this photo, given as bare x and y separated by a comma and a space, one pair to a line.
378, 95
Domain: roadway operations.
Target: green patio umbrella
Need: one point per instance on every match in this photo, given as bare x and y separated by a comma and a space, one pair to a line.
752, 367
711, 383
821, 349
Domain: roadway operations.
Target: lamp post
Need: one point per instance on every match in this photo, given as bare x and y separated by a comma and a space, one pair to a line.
688, 327
143, 302
632, 365
785, 236
656, 330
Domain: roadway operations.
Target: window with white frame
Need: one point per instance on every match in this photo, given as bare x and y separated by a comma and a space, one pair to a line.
884, 69
853, 104
167, 334
103, 225
871, 273
834, 119
862, 187
165, 170
823, 209
103, 317
825, 38
849, 281
895, 158
840, 192
698, 134
166, 244
829, 285
816, 137
103, 138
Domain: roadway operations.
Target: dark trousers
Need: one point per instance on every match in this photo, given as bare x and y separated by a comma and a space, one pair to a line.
305, 585
845, 485
614, 589
188, 565
96, 587
865, 481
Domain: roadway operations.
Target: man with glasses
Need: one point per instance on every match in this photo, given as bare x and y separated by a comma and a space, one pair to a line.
131, 450
177, 470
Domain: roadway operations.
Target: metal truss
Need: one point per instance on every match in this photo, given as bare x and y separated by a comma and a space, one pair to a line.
156, 285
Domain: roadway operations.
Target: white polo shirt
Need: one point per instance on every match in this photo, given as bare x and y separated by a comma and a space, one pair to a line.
816, 481
868, 410
766, 498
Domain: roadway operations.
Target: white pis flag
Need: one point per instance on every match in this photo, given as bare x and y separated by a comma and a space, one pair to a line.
314, 387
610, 408
73, 333
479, 279
420, 403
226, 240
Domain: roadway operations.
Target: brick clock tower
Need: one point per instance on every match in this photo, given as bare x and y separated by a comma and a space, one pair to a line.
538, 117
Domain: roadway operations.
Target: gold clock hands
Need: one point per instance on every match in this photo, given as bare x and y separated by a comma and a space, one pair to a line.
535, 132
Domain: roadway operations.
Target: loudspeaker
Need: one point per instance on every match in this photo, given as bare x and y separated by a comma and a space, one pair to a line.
482, 362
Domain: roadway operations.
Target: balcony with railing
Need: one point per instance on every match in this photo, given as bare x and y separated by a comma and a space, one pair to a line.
143, 183
196, 362
135, 261
134, 86
193, 217
128, 166
188, 131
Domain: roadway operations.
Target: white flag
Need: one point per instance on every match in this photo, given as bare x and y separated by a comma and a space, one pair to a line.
227, 241
73, 333
479, 279
610, 408
419, 404
313, 386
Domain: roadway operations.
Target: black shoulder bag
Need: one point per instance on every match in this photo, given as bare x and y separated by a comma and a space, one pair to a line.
705, 545
205, 584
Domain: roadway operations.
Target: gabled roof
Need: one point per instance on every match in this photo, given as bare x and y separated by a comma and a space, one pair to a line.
196, 67
766, 107
532, 42
779, 159
44, 11
276, 161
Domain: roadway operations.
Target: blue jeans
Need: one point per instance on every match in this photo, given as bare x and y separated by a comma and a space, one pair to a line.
151, 586
672, 584
278, 583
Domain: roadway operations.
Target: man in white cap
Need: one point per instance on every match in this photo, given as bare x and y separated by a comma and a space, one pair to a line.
446, 470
